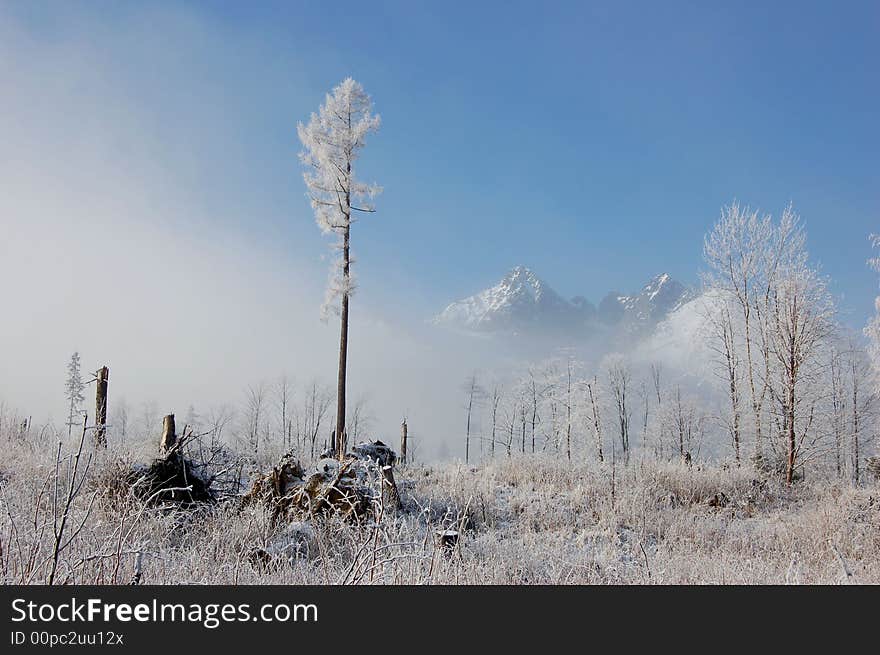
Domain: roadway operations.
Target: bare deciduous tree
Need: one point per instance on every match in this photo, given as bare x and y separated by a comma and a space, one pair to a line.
656, 370
838, 407
735, 252
496, 400
120, 419
255, 396
872, 330
219, 418
284, 399
568, 407
722, 342
359, 419
619, 379
685, 423
316, 404
594, 414
802, 315
863, 407
475, 395
533, 396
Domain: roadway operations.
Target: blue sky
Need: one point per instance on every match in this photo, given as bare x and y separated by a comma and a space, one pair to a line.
594, 142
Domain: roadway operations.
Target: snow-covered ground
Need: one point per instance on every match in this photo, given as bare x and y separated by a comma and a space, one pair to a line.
520, 520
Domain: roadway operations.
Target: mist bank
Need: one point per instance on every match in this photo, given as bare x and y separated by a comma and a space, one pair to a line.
135, 230
185, 321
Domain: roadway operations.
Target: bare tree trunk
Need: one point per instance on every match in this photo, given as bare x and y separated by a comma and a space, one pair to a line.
473, 389
284, 399
613, 473
731, 364
343, 347
103, 375
534, 412
855, 439
343, 335
403, 435
736, 428
679, 421
568, 416
790, 417
619, 378
655, 377
467, 435
169, 435
837, 400
756, 408
596, 423
496, 398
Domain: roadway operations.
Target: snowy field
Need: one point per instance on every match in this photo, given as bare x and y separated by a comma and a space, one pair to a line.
520, 520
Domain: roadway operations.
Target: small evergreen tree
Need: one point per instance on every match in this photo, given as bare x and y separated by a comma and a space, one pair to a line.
73, 390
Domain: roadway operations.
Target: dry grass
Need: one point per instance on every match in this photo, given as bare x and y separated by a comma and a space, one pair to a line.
522, 521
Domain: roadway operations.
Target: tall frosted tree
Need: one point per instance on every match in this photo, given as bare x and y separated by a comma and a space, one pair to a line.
73, 390
737, 251
872, 330
802, 314
332, 141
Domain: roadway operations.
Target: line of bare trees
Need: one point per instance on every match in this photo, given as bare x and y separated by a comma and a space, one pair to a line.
300, 420
272, 417
558, 407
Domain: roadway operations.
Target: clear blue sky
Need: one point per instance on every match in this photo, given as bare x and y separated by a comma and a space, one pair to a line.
594, 142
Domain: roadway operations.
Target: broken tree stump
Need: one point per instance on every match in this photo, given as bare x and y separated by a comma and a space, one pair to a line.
390, 494
169, 435
172, 478
101, 376
403, 435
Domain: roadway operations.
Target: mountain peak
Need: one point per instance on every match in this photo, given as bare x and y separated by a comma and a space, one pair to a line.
520, 280
522, 302
659, 280
520, 271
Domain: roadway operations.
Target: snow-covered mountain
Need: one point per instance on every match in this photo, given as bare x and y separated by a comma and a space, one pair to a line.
522, 303
660, 297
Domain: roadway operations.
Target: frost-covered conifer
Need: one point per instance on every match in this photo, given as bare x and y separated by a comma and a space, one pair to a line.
332, 141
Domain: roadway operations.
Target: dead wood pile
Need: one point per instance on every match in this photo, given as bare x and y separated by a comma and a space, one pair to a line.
171, 479
351, 489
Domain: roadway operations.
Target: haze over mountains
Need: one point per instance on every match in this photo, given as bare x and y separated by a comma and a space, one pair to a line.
522, 304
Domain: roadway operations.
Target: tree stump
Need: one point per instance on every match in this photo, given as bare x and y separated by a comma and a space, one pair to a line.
390, 494
169, 435
403, 435
102, 376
